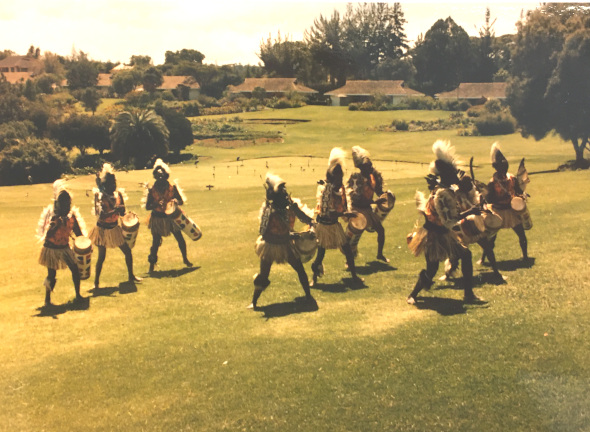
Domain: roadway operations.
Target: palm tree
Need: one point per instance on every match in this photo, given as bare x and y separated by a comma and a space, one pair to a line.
138, 135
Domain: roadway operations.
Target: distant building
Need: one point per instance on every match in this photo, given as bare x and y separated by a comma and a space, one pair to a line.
476, 93
20, 68
278, 87
187, 86
363, 90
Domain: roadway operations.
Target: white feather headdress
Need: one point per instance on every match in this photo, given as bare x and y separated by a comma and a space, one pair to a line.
160, 163
337, 157
360, 156
444, 153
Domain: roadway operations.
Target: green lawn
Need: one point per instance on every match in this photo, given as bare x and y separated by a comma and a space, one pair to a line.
181, 351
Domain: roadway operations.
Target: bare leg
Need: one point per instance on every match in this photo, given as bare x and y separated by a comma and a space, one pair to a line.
380, 242
519, 230
153, 257
102, 253
129, 261
260, 282
182, 246
50, 282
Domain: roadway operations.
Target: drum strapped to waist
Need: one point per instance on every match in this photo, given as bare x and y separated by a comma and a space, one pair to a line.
491, 220
186, 224
130, 227
472, 227
383, 209
354, 230
83, 255
518, 204
306, 244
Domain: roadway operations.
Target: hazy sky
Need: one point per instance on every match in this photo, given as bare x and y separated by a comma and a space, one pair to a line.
224, 31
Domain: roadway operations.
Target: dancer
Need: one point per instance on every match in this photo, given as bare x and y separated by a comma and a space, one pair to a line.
161, 197
56, 224
332, 204
275, 245
361, 188
502, 188
436, 238
468, 197
109, 205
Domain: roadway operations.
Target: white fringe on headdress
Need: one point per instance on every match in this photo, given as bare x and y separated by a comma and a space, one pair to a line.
160, 163
420, 201
146, 192
337, 157
444, 151
360, 156
274, 181
59, 186
43, 224
107, 168
303, 207
495, 151
97, 200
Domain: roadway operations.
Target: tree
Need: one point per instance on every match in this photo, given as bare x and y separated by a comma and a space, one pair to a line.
82, 132
285, 59
126, 80
138, 135
485, 59
549, 85
89, 98
53, 64
81, 73
373, 34
442, 58
152, 79
184, 55
14, 132
140, 61
180, 128
325, 40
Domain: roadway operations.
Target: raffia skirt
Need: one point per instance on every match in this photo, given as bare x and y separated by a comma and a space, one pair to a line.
509, 217
275, 252
56, 259
107, 237
162, 226
330, 236
435, 246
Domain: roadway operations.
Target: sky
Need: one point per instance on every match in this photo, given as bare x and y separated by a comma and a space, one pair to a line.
226, 32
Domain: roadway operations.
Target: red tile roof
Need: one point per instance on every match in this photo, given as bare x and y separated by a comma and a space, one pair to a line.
371, 87
271, 85
493, 90
16, 77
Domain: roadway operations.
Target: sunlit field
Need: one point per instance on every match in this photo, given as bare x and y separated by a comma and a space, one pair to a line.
180, 351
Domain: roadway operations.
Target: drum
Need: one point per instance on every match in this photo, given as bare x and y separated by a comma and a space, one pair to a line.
471, 228
186, 224
518, 204
130, 227
306, 244
173, 210
354, 230
83, 254
492, 221
383, 209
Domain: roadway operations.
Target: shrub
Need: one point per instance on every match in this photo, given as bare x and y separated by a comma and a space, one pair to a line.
495, 124
400, 125
13, 132
33, 161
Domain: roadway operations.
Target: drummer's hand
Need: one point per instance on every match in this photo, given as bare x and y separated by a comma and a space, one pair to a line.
350, 214
120, 210
294, 235
381, 201
161, 203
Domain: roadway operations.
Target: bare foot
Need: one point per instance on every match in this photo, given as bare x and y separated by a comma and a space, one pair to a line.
382, 258
411, 300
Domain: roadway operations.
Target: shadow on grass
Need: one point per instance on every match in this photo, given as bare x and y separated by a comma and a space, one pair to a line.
488, 278
443, 306
513, 264
55, 310
126, 287
277, 310
172, 273
374, 267
347, 284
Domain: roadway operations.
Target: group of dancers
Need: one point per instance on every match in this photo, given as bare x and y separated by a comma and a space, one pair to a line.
458, 211
60, 221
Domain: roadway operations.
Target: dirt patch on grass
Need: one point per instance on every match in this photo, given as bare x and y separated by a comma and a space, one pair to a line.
231, 144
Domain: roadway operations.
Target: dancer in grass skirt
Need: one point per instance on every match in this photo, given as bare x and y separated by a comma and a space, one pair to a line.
435, 238
158, 198
56, 224
275, 243
332, 204
361, 188
109, 206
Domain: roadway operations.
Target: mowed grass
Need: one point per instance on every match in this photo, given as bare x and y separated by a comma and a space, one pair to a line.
181, 352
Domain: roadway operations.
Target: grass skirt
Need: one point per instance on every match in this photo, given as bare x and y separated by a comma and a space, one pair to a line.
330, 236
162, 226
509, 217
110, 238
56, 259
435, 246
278, 253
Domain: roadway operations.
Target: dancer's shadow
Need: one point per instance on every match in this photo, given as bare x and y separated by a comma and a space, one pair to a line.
513, 264
347, 284
299, 305
126, 287
172, 273
375, 267
488, 278
443, 306
55, 310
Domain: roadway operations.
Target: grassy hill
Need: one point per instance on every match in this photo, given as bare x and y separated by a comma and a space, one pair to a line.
181, 352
